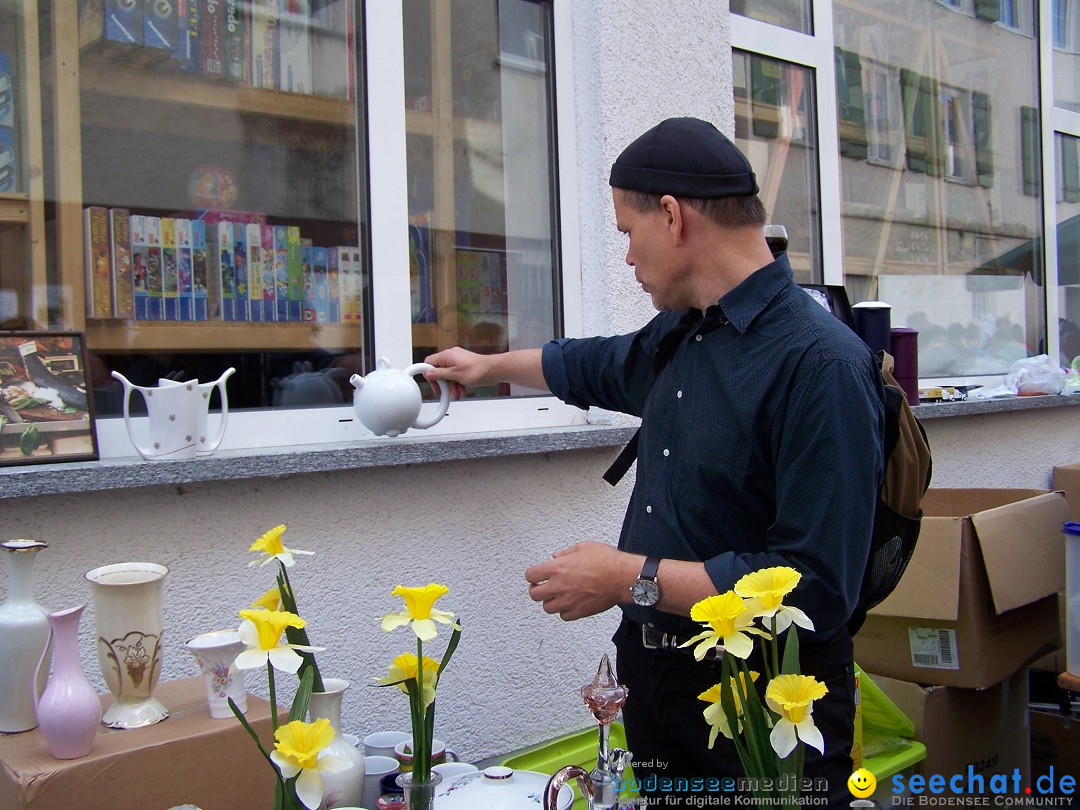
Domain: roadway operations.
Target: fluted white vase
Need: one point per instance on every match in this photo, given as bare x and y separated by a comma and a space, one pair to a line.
24, 635
345, 787
128, 625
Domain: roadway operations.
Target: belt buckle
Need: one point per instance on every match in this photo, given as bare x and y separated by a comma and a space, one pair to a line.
668, 641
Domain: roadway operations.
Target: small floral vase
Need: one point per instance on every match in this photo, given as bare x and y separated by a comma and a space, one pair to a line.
419, 795
215, 653
69, 710
345, 787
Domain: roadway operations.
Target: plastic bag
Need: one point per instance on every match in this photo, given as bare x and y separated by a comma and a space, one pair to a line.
1036, 375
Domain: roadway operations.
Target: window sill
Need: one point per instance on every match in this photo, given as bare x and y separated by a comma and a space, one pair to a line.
235, 465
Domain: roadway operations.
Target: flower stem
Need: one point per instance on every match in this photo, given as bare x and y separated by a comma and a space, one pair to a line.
422, 754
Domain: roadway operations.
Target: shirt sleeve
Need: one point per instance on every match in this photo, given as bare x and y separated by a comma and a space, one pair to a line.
827, 446
614, 373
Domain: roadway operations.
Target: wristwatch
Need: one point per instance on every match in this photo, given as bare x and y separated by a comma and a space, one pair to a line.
646, 591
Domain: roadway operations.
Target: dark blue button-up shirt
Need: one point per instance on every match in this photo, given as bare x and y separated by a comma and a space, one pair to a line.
760, 441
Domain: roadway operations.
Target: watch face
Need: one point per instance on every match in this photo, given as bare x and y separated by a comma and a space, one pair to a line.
645, 592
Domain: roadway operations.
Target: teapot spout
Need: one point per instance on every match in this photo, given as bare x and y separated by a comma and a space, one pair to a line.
357, 381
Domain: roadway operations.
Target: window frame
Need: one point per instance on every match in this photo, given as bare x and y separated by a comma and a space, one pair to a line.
380, 24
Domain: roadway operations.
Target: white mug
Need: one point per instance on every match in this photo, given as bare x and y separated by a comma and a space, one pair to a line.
375, 768
452, 770
381, 743
439, 753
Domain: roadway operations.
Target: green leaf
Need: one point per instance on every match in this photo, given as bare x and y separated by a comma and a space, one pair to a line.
251, 732
790, 664
297, 635
302, 697
30, 440
455, 637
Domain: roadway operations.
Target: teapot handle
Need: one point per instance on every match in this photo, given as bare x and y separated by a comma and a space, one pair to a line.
129, 386
220, 385
444, 398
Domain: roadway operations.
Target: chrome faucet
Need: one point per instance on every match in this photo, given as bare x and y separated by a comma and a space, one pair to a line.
602, 786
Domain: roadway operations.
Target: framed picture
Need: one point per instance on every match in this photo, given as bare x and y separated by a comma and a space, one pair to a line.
46, 408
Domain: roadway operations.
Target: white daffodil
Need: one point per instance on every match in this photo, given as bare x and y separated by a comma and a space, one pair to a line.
767, 588
728, 622
301, 748
271, 547
261, 631
419, 611
792, 697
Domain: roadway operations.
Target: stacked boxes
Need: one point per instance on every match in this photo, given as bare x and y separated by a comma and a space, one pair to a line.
951, 645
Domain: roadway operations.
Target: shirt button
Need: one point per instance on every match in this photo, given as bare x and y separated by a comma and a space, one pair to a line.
648, 509
697, 337
667, 452
678, 394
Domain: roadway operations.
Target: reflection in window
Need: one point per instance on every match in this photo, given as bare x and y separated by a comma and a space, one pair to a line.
1066, 38
480, 148
792, 14
1067, 171
939, 175
775, 129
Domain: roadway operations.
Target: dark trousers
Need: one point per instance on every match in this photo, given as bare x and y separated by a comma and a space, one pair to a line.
668, 735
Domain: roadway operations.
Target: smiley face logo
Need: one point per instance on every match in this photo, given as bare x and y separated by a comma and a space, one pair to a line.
862, 783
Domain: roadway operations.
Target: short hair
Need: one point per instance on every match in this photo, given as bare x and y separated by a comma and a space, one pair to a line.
725, 211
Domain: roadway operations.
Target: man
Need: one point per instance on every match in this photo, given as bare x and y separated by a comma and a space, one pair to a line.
760, 446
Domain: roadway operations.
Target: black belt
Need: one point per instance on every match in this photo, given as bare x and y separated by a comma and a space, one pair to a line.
653, 639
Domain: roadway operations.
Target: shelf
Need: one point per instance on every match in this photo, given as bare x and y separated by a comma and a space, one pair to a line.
108, 80
123, 337
14, 209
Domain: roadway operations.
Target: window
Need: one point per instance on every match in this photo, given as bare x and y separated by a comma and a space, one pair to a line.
261, 148
774, 127
936, 226
793, 14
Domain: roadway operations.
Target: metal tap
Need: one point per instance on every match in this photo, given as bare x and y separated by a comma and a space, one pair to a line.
604, 697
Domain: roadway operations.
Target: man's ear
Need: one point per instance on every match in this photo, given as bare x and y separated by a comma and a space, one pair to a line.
673, 217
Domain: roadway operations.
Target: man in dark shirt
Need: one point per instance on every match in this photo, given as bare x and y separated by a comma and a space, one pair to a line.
760, 446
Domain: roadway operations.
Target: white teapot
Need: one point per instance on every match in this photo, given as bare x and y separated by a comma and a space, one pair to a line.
387, 401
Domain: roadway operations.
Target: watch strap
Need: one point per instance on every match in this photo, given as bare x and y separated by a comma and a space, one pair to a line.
649, 569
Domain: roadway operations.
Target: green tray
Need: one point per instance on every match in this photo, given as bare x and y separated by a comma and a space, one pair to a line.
579, 749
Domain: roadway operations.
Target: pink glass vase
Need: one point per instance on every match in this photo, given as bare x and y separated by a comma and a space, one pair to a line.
69, 710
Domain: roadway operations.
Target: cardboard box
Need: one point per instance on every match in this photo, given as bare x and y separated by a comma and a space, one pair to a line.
1055, 749
979, 598
985, 730
189, 758
1067, 478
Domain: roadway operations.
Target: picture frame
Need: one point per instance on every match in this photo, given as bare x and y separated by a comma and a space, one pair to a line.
46, 404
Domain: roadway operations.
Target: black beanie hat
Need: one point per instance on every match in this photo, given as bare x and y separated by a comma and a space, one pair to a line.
685, 157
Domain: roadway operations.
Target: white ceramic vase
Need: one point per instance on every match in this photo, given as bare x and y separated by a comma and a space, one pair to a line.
345, 787
24, 635
215, 653
128, 626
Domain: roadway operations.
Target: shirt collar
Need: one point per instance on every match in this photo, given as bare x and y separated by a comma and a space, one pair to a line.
742, 304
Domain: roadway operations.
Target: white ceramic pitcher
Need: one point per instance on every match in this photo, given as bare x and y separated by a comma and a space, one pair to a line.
204, 446
174, 418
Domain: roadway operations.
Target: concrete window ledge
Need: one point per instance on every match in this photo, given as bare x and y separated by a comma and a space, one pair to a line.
121, 473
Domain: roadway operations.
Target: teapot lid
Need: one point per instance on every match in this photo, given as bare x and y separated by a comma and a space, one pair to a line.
498, 788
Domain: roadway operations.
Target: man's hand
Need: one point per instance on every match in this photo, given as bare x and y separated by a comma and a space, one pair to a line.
462, 369
582, 580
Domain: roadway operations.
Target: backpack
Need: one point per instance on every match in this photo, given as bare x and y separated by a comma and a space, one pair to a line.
897, 514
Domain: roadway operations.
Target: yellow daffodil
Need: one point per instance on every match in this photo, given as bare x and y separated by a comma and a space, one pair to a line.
271, 600
261, 631
419, 611
271, 547
715, 715
404, 667
728, 620
792, 697
768, 587
301, 748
